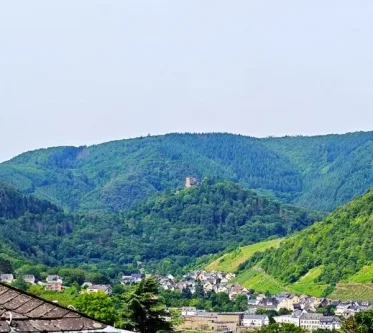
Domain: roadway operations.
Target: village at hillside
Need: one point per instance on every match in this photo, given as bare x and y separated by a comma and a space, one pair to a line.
300, 310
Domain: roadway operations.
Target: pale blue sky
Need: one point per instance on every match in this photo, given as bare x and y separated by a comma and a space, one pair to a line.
76, 72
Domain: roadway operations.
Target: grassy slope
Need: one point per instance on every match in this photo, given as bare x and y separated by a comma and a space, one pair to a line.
260, 281
230, 261
353, 291
307, 284
358, 286
365, 275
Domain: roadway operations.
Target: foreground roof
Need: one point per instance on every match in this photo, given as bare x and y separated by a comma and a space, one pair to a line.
23, 312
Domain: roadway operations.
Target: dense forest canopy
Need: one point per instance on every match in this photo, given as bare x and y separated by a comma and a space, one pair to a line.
318, 172
166, 232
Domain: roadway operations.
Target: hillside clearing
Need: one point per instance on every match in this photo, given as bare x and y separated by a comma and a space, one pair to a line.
229, 262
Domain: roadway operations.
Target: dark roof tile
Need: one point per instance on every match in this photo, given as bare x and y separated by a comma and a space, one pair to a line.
29, 306
17, 302
4, 327
72, 315
23, 326
7, 296
40, 310
44, 325
57, 312
3, 289
69, 324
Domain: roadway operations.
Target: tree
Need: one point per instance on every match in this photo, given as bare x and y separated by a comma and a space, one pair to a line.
199, 292
143, 309
362, 322
283, 311
72, 275
97, 305
186, 293
20, 284
5, 266
98, 278
241, 303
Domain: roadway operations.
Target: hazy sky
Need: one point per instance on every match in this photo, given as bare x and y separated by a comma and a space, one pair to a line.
82, 71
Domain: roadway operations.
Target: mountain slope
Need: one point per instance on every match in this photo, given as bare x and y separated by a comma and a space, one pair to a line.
334, 168
24, 223
166, 232
342, 244
335, 252
315, 172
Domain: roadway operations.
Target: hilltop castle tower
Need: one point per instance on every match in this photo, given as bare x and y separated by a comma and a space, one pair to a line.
190, 181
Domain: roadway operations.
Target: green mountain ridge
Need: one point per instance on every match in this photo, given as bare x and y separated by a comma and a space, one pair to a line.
167, 232
318, 172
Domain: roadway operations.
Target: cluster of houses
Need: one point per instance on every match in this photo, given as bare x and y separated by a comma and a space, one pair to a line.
303, 313
55, 283
210, 281
9, 278
305, 304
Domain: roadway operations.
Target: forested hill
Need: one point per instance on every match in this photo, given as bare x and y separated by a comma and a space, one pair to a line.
28, 224
319, 172
166, 232
340, 248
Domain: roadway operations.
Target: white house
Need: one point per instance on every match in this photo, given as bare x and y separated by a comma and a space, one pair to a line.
54, 279
29, 279
99, 287
188, 311
287, 319
330, 323
129, 279
310, 321
254, 321
7, 278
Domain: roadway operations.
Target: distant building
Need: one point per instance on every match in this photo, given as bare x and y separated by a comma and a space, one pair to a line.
130, 279
254, 321
188, 311
29, 279
53, 286
54, 283
100, 287
289, 319
6, 278
310, 321
54, 279
330, 323
190, 181
211, 321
